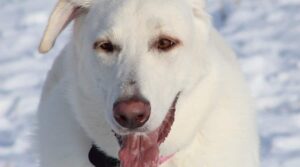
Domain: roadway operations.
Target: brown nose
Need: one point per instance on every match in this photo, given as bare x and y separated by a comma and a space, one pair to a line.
132, 113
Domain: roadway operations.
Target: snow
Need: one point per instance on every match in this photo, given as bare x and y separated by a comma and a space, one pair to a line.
264, 33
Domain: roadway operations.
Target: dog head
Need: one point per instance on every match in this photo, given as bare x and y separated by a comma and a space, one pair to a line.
134, 56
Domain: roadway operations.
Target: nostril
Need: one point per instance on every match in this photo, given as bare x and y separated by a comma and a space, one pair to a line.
123, 118
140, 117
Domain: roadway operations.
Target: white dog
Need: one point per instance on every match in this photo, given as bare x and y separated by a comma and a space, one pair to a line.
143, 83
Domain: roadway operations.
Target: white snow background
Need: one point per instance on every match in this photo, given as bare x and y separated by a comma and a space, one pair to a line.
264, 33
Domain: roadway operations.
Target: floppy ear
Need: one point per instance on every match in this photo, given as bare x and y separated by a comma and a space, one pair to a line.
64, 12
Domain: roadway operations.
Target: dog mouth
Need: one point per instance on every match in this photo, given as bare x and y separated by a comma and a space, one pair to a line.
140, 150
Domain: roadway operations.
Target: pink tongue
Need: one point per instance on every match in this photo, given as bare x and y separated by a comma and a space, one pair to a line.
140, 151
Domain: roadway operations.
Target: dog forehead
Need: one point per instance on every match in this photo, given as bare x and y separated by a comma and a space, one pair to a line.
141, 14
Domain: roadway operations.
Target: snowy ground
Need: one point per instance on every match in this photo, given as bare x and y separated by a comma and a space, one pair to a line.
265, 34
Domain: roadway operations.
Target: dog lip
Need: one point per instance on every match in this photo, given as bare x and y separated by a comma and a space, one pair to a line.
167, 123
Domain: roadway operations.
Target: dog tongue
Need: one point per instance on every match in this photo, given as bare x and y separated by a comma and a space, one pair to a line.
140, 150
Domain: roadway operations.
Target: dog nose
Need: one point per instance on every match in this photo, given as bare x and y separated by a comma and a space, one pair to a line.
132, 113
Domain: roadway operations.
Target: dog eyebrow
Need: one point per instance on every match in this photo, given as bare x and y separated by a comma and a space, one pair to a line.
153, 21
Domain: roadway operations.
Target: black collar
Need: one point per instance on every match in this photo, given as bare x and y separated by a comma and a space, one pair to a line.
99, 159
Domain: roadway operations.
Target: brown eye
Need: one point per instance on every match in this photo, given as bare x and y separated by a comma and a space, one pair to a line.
165, 44
105, 46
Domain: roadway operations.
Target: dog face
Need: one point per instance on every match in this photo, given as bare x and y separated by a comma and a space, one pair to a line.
150, 49
144, 49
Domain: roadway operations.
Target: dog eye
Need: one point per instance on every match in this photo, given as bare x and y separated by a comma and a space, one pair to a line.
105, 46
165, 44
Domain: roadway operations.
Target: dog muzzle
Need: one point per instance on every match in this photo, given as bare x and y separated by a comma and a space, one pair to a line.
139, 150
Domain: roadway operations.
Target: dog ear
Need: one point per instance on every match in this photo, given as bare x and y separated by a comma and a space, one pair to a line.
201, 16
199, 8
64, 12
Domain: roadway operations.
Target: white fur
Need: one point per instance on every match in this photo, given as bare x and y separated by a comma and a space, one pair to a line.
83, 3
214, 120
